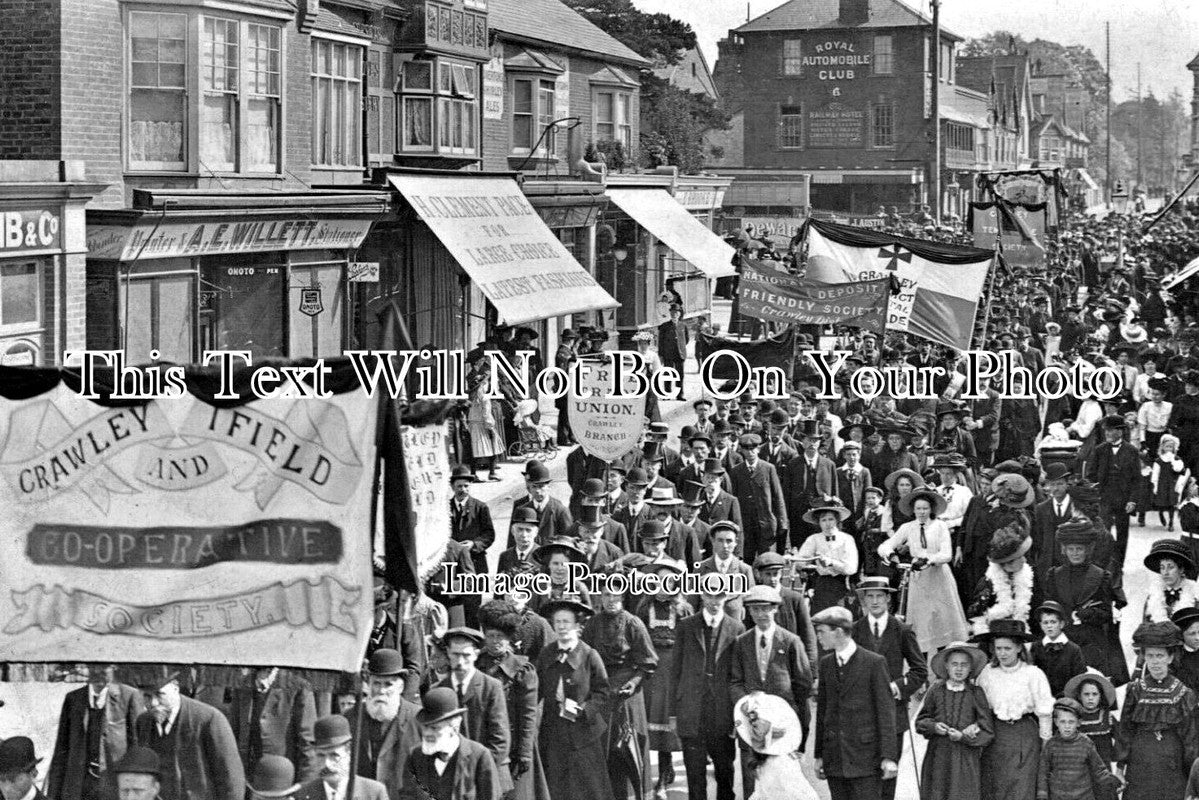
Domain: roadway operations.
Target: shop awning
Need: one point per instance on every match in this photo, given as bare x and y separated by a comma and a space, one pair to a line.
496, 235
1182, 274
660, 214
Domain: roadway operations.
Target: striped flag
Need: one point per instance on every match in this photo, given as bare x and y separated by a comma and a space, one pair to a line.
939, 284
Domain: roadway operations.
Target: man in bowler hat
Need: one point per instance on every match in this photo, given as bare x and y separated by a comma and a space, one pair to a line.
388, 731
446, 765
332, 745
273, 778
18, 770
139, 774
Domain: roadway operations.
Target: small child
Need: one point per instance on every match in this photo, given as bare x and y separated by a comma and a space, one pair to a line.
1097, 696
872, 534
956, 719
1058, 657
1167, 478
1070, 765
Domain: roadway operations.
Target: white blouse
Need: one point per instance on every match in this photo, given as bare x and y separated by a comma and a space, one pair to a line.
939, 548
957, 500
1017, 691
841, 552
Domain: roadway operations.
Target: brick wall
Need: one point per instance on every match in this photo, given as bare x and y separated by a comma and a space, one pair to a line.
92, 92
30, 66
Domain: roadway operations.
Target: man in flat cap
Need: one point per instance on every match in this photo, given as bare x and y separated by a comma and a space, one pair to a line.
195, 745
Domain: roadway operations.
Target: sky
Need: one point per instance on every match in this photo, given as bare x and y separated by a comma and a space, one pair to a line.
1163, 35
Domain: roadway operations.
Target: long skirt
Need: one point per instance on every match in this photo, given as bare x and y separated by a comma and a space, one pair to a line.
628, 736
827, 591
663, 737
532, 784
580, 774
950, 769
934, 611
1010, 762
1155, 768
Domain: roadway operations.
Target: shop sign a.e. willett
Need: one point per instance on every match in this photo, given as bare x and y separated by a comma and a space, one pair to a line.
182, 532
183, 239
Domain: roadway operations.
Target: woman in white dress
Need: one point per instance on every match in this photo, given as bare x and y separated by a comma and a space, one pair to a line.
937, 617
771, 729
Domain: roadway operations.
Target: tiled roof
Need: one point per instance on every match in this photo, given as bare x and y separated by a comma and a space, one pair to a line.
801, 15
555, 23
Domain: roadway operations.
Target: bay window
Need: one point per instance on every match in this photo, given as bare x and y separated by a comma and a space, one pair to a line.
231, 124
336, 104
439, 107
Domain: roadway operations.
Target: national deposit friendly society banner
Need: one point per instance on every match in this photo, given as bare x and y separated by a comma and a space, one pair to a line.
184, 533
775, 296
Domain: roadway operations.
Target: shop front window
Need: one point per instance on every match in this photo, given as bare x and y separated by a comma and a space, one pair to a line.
158, 315
317, 334
20, 294
245, 306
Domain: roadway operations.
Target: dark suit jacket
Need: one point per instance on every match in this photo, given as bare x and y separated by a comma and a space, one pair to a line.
799, 497
899, 647
788, 675
508, 560
1044, 529
794, 616
555, 520
1119, 478
469, 775
779, 459
400, 737
364, 789
286, 722
587, 685
987, 411
487, 720
855, 715
474, 525
632, 522
198, 756
702, 702
733, 607
605, 553
68, 763
853, 499
672, 342
763, 507
725, 508
694, 474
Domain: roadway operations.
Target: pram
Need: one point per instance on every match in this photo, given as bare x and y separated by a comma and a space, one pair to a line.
535, 440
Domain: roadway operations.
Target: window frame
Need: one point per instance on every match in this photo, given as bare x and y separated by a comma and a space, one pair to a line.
454, 106
38, 324
875, 108
875, 61
622, 115
197, 66
792, 60
350, 89
789, 115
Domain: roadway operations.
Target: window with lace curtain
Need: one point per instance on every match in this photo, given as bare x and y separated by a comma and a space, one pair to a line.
336, 104
157, 91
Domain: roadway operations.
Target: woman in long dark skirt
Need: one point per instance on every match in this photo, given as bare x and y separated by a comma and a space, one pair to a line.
1156, 740
1022, 705
575, 695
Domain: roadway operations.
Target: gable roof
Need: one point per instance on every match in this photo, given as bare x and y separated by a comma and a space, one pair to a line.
552, 22
802, 15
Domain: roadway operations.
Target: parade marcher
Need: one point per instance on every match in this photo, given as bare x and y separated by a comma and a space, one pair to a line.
1097, 697
672, 343
1054, 654
1116, 466
769, 728
767, 658
481, 697
590, 530
1171, 587
333, 740
894, 454
1184, 419
139, 774
880, 632
95, 728
724, 560
522, 532
553, 519
701, 701
273, 778
1186, 661
937, 616
661, 615
1071, 767
1022, 704
518, 677
195, 744
855, 713
899, 484
759, 493
718, 503
1048, 515
623, 644
470, 518
1156, 740
832, 554
18, 769
853, 482
957, 721
636, 512
388, 724
274, 716
1085, 593
447, 765
575, 696
555, 558
793, 614
681, 542
805, 479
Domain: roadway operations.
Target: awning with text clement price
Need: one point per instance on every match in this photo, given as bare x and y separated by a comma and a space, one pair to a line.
494, 233
664, 217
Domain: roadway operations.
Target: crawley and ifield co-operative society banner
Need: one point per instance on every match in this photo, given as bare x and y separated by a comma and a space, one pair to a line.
152, 532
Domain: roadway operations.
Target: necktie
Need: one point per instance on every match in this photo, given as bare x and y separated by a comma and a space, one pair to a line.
442, 756
461, 695
923, 539
1172, 596
877, 633
563, 655
1056, 647
762, 642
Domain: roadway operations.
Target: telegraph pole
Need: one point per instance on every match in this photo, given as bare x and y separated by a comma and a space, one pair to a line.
936, 102
1140, 129
1108, 169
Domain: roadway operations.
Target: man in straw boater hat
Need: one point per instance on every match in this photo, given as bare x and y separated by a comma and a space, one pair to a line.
333, 744
447, 765
388, 730
273, 778
1115, 465
767, 658
1085, 592
881, 632
855, 712
553, 519
18, 770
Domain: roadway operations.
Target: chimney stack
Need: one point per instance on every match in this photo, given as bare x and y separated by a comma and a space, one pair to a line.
854, 12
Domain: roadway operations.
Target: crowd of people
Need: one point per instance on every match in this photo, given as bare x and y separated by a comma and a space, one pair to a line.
945, 566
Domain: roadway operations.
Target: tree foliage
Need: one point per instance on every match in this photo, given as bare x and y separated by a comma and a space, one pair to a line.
660, 38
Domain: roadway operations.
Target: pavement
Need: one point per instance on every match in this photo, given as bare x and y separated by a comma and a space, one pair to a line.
501, 495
